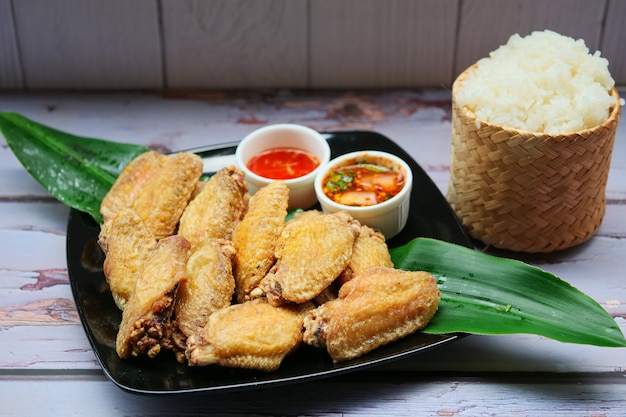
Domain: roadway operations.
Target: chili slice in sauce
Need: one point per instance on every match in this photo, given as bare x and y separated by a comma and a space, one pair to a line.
362, 184
283, 163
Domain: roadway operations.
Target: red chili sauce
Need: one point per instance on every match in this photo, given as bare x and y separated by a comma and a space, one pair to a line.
283, 163
362, 184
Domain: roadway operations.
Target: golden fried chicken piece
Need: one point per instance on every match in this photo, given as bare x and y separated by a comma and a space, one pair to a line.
209, 286
255, 237
374, 308
253, 335
305, 215
370, 249
198, 189
146, 318
311, 252
163, 197
216, 209
129, 182
127, 243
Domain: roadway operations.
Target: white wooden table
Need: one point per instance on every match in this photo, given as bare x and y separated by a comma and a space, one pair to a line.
48, 368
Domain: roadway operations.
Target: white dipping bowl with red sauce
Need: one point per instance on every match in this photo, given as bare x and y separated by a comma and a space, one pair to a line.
291, 152
373, 187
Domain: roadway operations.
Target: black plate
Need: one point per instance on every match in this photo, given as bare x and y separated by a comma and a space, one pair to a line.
430, 216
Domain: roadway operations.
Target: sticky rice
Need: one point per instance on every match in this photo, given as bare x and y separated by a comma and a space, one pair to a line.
544, 82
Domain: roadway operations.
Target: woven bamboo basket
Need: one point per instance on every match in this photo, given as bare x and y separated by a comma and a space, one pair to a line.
527, 191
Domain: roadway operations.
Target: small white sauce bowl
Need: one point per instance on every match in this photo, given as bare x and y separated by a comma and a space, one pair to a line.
285, 135
390, 216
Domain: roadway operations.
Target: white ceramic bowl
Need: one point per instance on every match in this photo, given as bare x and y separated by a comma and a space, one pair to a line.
301, 191
390, 216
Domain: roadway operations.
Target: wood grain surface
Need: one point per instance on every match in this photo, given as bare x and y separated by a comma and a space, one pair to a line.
46, 363
169, 44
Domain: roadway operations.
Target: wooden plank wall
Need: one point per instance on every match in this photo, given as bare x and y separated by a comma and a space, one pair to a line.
224, 44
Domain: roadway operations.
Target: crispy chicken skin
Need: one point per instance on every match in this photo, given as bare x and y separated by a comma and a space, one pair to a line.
146, 318
306, 215
179, 251
163, 196
255, 237
252, 335
370, 249
127, 243
374, 308
129, 182
311, 253
209, 286
216, 209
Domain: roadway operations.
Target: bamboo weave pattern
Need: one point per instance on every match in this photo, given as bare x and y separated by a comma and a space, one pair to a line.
528, 191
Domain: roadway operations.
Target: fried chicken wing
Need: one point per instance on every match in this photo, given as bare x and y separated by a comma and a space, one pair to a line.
306, 215
376, 307
209, 286
163, 196
127, 243
311, 252
129, 182
146, 317
370, 249
216, 209
253, 335
256, 236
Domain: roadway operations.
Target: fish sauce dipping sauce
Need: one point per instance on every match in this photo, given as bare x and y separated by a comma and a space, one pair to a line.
373, 187
290, 152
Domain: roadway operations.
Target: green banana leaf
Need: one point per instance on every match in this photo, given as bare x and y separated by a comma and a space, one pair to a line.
484, 294
480, 294
77, 171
